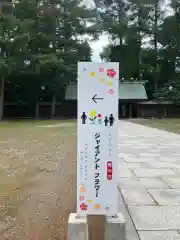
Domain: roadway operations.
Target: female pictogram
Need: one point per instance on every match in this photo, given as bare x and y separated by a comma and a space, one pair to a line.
83, 117
111, 119
106, 121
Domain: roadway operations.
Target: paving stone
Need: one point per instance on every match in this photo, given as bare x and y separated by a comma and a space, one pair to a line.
122, 154
141, 183
166, 196
141, 147
177, 170
155, 150
137, 197
154, 156
137, 165
131, 233
124, 172
172, 182
154, 172
136, 159
167, 159
159, 235
165, 165
155, 217
149, 154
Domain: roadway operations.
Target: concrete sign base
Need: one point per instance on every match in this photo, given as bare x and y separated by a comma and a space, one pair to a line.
114, 227
77, 227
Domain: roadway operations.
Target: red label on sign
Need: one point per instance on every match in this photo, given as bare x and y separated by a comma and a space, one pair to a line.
109, 176
109, 170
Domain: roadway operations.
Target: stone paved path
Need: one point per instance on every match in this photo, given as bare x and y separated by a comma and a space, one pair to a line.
149, 181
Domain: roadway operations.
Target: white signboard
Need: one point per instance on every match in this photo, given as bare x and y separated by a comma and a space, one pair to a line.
97, 192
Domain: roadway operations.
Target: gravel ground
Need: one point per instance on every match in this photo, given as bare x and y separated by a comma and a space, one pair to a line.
37, 180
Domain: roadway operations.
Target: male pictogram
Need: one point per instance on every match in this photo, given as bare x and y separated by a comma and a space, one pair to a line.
111, 119
83, 117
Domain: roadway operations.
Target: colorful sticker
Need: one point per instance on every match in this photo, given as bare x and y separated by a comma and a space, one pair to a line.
111, 73
101, 80
81, 198
101, 69
97, 206
89, 201
92, 74
111, 91
83, 206
109, 83
82, 189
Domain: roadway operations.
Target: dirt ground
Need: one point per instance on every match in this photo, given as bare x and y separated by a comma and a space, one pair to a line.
37, 179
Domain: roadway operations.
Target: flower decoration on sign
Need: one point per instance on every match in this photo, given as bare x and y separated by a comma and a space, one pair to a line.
101, 69
82, 189
101, 80
97, 206
92, 74
109, 83
99, 118
111, 91
81, 198
111, 73
93, 116
83, 207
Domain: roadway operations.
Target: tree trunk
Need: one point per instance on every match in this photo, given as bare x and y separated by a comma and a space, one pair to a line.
1, 97
53, 107
37, 109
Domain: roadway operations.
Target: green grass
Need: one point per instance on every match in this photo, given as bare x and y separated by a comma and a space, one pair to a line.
171, 124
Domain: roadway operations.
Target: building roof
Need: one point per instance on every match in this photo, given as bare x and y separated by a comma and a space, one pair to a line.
154, 102
132, 91
127, 91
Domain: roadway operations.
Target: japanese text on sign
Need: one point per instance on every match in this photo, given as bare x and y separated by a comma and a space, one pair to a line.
97, 166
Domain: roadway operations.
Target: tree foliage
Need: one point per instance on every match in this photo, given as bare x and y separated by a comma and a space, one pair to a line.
42, 41
149, 44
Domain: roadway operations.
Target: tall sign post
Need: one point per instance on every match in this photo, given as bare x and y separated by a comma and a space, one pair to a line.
97, 156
